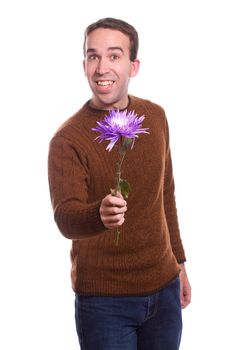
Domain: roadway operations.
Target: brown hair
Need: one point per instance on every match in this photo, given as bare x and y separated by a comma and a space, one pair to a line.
116, 24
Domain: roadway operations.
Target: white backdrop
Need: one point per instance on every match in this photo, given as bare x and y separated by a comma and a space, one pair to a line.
186, 50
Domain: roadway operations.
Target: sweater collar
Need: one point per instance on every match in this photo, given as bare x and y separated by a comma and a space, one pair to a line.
101, 111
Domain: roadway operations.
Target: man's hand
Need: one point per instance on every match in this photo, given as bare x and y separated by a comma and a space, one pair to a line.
112, 211
185, 288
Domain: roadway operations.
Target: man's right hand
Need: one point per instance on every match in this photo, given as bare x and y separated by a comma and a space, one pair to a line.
112, 211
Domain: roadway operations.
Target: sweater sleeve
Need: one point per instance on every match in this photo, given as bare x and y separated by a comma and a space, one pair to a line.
170, 206
75, 216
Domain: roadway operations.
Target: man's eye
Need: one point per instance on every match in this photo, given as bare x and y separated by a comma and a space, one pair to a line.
114, 57
92, 57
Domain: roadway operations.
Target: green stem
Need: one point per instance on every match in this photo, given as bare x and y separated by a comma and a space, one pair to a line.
123, 146
116, 236
118, 172
118, 189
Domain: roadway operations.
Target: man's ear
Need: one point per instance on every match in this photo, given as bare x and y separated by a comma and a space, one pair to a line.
84, 67
135, 65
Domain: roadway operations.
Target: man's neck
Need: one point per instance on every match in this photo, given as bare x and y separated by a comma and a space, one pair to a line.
93, 105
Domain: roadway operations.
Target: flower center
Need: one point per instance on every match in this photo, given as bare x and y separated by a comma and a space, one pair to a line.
119, 122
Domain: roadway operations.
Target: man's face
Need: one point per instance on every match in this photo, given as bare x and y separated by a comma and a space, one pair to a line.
108, 67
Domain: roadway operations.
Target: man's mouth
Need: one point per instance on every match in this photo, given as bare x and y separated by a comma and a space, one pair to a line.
106, 83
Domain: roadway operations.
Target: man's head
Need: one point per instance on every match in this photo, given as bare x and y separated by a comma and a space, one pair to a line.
116, 24
110, 60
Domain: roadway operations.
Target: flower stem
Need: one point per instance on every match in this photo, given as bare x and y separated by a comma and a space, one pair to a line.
116, 236
118, 172
118, 189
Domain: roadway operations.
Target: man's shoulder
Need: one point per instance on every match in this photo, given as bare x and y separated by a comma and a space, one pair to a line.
71, 124
147, 104
151, 110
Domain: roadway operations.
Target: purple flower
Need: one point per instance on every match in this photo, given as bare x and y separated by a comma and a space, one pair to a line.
120, 124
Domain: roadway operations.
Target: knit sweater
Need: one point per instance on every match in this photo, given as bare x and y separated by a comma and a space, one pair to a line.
82, 172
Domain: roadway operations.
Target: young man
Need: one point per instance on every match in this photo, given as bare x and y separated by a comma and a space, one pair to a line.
128, 296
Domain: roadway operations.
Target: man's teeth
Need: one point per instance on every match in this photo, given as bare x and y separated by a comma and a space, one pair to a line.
104, 83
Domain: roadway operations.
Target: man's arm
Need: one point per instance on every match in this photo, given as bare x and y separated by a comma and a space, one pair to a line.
170, 205
74, 215
173, 226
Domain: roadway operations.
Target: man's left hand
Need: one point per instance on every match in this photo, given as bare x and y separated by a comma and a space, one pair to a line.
185, 288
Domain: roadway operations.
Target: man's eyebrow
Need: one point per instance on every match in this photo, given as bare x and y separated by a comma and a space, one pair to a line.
111, 48
91, 50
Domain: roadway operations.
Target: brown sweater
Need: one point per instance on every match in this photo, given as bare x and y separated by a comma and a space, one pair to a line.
82, 172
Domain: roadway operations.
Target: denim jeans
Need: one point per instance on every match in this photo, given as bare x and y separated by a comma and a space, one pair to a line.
150, 322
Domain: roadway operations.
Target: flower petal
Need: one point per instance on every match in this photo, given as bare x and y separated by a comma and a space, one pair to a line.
119, 124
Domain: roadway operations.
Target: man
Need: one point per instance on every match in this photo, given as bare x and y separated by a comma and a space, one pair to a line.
128, 296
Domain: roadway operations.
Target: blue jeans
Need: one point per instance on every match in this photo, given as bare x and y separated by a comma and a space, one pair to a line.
151, 322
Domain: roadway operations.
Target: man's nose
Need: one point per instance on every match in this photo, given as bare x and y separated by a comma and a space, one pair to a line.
102, 66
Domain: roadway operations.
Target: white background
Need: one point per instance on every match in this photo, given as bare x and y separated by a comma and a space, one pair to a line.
186, 50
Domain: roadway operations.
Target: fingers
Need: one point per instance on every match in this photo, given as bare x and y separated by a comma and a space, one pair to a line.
113, 224
185, 288
112, 211
185, 299
186, 296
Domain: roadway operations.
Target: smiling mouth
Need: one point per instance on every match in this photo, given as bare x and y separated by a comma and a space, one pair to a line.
104, 83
